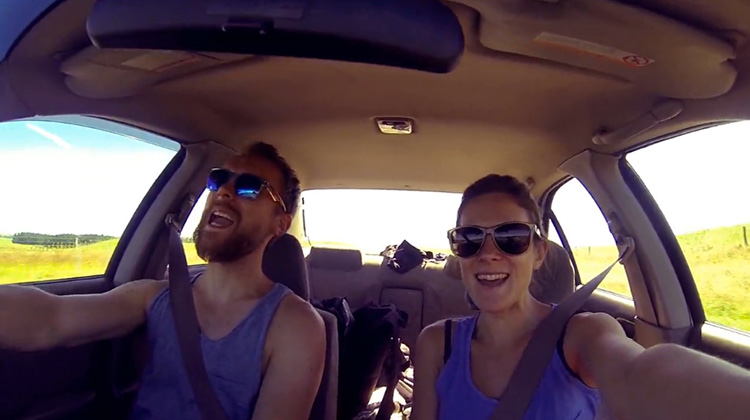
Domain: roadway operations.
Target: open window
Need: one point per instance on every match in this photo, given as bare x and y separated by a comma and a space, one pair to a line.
580, 221
72, 185
699, 182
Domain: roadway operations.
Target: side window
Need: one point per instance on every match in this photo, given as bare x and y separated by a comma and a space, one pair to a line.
69, 191
589, 237
552, 234
190, 225
700, 182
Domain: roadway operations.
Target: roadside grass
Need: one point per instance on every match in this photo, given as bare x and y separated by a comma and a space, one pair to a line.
718, 259
27, 263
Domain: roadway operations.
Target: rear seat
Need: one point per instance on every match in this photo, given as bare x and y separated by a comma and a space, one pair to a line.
425, 293
342, 273
428, 293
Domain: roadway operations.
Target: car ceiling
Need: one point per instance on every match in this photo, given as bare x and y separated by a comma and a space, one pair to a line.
510, 106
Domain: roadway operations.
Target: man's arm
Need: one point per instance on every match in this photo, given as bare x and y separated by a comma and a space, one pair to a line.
31, 319
296, 345
428, 361
666, 381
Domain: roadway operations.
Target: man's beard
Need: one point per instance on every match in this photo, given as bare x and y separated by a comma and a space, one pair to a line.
234, 247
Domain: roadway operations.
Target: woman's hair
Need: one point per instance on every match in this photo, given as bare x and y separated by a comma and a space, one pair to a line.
508, 185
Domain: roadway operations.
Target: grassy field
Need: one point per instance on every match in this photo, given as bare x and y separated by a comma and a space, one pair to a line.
26, 263
718, 259
720, 264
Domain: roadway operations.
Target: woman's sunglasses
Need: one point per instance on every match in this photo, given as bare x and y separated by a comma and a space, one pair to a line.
247, 186
512, 238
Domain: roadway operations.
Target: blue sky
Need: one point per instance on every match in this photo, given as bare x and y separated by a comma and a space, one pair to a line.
62, 178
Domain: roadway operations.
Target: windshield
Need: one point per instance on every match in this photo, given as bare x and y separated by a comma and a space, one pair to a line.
370, 220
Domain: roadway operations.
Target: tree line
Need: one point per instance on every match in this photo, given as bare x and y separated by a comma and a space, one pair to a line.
62, 240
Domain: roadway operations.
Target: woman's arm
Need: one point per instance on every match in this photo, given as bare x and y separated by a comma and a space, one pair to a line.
428, 361
666, 381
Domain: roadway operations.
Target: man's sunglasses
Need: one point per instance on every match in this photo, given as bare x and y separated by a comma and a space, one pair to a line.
247, 186
512, 238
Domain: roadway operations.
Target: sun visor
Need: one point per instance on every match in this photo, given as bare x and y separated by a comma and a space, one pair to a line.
115, 73
416, 34
658, 53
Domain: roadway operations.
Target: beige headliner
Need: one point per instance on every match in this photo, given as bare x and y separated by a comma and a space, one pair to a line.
497, 112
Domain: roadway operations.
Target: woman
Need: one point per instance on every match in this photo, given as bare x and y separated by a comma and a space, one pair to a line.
499, 242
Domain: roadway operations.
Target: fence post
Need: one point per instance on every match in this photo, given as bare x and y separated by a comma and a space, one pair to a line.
744, 234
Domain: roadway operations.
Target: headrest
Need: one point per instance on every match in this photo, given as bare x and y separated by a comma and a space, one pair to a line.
335, 259
451, 268
284, 262
555, 279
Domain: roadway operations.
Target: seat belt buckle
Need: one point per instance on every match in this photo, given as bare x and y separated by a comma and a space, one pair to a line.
171, 221
176, 219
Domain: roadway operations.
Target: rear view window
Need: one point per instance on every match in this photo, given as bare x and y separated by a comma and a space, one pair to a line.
370, 220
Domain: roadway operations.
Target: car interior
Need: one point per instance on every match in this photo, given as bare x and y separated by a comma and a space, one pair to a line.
544, 90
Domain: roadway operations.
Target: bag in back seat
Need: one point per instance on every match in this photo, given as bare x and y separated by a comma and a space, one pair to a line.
425, 292
368, 346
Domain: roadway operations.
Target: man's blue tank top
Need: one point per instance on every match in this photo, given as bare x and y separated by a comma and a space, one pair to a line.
560, 396
234, 364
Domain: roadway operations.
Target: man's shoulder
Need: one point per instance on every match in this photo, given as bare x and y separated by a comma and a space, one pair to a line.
298, 317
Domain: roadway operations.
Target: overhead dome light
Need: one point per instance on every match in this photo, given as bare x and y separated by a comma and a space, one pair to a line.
395, 125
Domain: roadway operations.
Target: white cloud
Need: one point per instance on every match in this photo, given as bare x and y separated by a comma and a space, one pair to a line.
74, 191
50, 136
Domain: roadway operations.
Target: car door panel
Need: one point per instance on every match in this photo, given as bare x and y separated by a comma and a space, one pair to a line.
70, 405
732, 346
58, 383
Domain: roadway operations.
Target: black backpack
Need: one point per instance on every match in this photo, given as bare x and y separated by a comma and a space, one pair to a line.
368, 347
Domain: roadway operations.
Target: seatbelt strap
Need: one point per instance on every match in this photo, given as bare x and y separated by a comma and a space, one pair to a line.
393, 368
392, 373
447, 341
188, 330
536, 357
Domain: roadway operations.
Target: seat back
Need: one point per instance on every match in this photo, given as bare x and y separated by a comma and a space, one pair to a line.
555, 279
341, 273
425, 293
326, 401
284, 262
